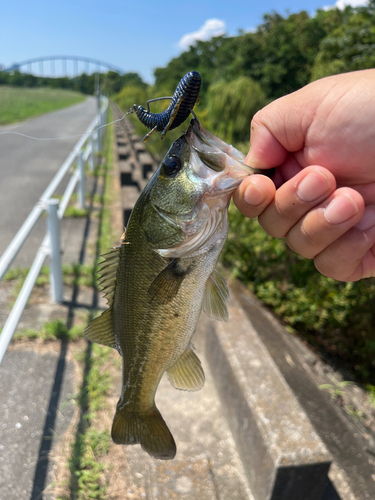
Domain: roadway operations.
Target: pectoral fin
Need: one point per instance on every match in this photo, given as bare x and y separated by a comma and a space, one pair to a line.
100, 330
187, 373
166, 285
216, 296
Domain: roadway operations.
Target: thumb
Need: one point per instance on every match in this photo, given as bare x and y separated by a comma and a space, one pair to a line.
276, 130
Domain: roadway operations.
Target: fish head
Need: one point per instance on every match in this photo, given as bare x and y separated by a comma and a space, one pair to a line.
190, 193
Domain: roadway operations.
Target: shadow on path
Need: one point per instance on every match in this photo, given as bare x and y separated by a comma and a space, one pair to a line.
41, 472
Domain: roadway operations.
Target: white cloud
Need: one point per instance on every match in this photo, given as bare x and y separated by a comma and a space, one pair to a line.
212, 27
341, 4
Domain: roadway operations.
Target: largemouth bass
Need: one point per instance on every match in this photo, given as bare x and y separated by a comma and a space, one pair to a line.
161, 278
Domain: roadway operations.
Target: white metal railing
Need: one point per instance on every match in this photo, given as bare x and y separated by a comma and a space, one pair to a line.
83, 151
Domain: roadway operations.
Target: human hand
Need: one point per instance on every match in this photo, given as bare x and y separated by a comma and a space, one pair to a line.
322, 141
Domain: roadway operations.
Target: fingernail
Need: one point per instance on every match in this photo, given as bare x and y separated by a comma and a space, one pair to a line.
368, 219
254, 195
313, 186
340, 209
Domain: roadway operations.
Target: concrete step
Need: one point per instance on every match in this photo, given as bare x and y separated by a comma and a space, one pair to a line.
146, 163
139, 147
283, 456
126, 166
353, 465
123, 151
129, 195
182, 479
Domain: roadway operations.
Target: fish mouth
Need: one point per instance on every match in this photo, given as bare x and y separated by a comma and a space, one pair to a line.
219, 164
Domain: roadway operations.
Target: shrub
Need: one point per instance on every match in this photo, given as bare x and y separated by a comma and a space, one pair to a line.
336, 316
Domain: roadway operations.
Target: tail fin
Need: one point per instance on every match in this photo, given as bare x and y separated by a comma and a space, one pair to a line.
148, 429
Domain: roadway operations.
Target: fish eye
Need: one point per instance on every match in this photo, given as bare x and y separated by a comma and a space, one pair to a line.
172, 165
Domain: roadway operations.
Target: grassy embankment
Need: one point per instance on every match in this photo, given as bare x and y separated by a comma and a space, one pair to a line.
17, 104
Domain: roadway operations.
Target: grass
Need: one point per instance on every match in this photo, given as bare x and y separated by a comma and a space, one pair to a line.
107, 234
76, 212
73, 274
51, 330
91, 446
17, 104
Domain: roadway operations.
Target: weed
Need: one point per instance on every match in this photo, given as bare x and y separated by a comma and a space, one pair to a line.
336, 390
51, 330
16, 273
91, 446
371, 394
72, 211
353, 412
79, 274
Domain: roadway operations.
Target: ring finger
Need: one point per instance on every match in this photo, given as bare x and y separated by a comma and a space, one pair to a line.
295, 198
326, 223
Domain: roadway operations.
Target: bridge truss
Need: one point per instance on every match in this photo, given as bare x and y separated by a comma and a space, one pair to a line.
62, 66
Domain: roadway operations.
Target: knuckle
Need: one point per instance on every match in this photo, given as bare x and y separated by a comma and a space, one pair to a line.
271, 229
302, 242
257, 118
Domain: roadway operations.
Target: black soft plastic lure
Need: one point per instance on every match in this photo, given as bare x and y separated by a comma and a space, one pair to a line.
182, 103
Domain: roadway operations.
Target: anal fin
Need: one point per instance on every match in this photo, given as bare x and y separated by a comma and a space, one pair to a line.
187, 373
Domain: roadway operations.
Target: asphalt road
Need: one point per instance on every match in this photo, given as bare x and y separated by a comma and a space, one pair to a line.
28, 166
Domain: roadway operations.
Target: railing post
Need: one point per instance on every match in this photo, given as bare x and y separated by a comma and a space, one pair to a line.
81, 181
53, 229
99, 132
92, 154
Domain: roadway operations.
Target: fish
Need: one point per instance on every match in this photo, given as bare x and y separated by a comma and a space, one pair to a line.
162, 276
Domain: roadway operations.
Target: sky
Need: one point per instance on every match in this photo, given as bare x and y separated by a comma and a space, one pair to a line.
136, 35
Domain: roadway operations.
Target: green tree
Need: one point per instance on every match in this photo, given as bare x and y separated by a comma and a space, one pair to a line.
130, 95
113, 82
350, 46
231, 106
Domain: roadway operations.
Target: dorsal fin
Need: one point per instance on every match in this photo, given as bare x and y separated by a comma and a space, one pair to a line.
108, 272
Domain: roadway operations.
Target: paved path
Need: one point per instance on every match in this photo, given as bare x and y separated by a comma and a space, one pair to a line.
27, 167
25, 421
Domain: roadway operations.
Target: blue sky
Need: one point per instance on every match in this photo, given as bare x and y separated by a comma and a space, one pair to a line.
132, 35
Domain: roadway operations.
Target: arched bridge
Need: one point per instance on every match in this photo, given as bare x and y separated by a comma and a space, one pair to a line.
62, 66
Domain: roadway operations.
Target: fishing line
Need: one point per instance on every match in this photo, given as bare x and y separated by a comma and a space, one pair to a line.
65, 137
